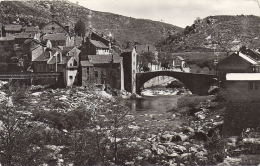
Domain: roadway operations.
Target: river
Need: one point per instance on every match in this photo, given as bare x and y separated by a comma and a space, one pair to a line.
156, 109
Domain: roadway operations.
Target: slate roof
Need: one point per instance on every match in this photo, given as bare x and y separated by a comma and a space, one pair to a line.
23, 35
179, 57
6, 38
55, 37
32, 29
85, 63
98, 44
43, 57
102, 59
13, 27
53, 60
144, 48
247, 58
30, 40
252, 54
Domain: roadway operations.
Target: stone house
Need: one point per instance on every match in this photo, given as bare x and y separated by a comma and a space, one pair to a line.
7, 42
11, 30
93, 47
179, 62
240, 62
57, 60
33, 48
100, 69
34, 31
53, 27
55, 39
155, 65
20, 39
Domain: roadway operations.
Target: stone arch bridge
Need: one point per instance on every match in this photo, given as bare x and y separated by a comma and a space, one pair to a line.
197, 83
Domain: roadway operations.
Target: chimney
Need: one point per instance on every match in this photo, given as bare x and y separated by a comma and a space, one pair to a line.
60, 57
50, 54
53, 17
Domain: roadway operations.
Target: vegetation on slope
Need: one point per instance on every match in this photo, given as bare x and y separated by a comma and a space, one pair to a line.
124, 29
224, 33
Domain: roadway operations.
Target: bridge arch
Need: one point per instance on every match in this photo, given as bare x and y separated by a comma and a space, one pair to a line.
197, 83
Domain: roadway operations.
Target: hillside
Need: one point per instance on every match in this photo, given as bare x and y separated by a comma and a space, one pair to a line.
124, 29
225, 32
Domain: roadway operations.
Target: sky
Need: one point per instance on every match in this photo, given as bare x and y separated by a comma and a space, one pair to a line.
176, 12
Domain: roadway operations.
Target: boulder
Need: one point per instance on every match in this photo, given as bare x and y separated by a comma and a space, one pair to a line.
185, 156
193, 149
179, 148
201, 115
147, 153
173, 155
200, 135
230, 161
166, 137
179, 137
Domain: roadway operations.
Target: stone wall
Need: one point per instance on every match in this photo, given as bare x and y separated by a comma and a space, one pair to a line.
239, 116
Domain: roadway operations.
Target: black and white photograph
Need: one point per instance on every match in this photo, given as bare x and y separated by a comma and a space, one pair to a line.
129, 82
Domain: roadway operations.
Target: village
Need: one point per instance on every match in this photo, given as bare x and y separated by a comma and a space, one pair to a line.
73, 99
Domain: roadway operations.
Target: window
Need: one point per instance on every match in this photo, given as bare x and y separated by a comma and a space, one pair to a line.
53, 28
71, 77
256, 86
88, 70
253, 85
96, 73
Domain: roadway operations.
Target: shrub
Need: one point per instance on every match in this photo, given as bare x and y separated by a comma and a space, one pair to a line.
221, 96
192, 101
216, 148
175, 84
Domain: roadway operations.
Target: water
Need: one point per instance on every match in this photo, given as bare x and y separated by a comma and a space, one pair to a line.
156, 112
159, 101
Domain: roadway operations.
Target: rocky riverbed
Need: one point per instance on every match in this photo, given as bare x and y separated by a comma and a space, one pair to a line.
177, 136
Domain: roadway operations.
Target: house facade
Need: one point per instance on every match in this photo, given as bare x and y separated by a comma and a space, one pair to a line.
239, 62
243, 86
179, 62
100, 69
54, 27
140, 49
93, 47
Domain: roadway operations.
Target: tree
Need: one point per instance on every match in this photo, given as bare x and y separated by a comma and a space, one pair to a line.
18, 133
101, 134
80, 28
144, 59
